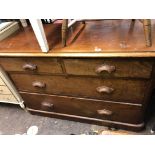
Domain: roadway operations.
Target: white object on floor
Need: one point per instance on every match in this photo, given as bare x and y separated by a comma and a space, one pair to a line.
152, 132
33, 130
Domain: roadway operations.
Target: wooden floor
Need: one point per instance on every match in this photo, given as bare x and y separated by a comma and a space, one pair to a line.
106, 36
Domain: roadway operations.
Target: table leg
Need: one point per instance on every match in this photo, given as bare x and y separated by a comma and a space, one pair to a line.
23, 22
64, 31
147, 31
40, 34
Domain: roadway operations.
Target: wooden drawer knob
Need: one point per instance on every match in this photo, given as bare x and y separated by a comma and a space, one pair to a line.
47, 106
30, 66
104, 112
105, 67
38, 84
104, 89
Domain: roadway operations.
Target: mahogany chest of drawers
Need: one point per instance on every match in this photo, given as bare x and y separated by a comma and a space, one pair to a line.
105, 91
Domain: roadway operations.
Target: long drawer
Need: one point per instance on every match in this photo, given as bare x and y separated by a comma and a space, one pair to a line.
127, 113
132, 91
34, 65
109, 67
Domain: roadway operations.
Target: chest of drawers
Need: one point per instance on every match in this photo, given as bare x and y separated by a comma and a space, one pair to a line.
105, 91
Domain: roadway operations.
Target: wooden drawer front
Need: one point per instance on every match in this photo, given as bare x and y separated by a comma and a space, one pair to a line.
109, 67
84, 107
1, 82
40, 65
4, 90
132, 91
7, 98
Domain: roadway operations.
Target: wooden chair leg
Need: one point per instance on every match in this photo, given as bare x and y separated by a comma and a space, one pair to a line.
133, 21
147, 31
132, 24
64, 31
83, 22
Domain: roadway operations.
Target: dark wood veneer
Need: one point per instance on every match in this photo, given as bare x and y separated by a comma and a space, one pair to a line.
128, 113
123, 90
129, 68
26, 65
98, 73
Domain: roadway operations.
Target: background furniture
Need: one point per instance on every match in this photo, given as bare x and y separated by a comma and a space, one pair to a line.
66, 24
24, 22
146, 26
7, 29
40, 34
147, 30
8, 92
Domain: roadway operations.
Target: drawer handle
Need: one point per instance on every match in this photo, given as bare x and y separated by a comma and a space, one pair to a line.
104, 112
104, 89
30, 66
47, 105
107, 68
39, 84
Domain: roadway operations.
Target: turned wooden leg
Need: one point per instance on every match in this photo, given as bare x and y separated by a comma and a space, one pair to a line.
83, 22
132, 26
147, 31
133, 21
64, 31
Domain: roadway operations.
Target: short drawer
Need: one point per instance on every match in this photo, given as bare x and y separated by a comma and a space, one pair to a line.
7, 98
4, 90
109, 67
84, 107
132, 91
1, 82
35, 65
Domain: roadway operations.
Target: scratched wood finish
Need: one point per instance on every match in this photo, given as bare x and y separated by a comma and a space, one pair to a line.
123, 67
41, 65
124, 90
108, 40
113, 38
84, 107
